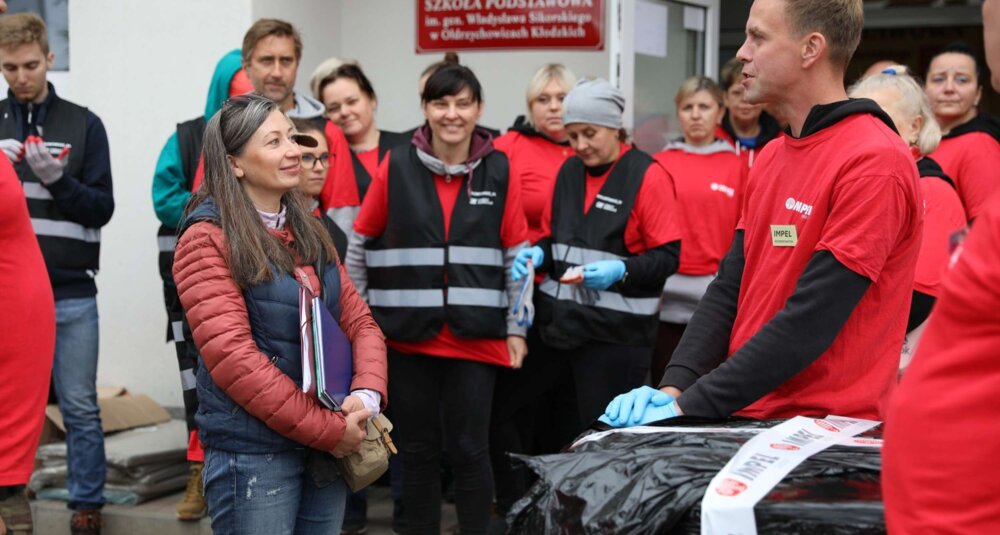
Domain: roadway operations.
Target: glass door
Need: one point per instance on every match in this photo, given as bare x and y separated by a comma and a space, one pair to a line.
657, 45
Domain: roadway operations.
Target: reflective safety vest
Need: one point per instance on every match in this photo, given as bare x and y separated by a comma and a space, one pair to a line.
418, 279
569, 315
71, 250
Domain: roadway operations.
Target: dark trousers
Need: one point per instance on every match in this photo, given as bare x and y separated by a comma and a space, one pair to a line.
435, 398
187, 362
596, 372
534, 412
668, 335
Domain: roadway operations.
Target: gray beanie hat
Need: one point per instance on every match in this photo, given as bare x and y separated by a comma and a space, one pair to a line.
594, 102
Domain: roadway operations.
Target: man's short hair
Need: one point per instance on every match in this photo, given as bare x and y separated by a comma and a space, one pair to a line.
22, 29
840, 21
267, 28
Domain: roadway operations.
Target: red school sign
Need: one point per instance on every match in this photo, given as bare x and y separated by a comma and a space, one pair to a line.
444, 25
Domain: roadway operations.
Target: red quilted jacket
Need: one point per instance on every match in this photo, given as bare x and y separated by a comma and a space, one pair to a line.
220, 326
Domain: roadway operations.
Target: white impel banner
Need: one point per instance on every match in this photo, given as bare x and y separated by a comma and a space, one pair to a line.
762, 463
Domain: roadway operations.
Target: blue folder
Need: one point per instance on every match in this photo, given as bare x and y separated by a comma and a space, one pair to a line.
334, 357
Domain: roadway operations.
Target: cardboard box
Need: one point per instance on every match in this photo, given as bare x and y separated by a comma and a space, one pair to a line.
119, 411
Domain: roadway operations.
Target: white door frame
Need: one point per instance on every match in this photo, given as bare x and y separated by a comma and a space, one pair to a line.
621, 72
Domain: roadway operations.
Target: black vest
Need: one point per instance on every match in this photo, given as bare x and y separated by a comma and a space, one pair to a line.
568, 314
71, 251
189, 139
417, 279
386, 142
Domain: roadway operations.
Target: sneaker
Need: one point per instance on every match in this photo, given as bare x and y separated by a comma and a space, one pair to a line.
193, 506
86, 522
16, 513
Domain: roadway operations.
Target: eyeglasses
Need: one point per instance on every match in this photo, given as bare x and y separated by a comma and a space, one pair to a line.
309, 160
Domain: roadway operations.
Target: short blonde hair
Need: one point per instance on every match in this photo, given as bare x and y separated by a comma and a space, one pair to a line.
542, 77
22, 29
695, 84
324, 69
913, 101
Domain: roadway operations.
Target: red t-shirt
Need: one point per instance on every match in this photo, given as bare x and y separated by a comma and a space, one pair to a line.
536, 162
709, 184
942, 436
341, 187
369, 160
29, 331
943, 216
653, 220
371, 222
973, 161
747, 155
850, 189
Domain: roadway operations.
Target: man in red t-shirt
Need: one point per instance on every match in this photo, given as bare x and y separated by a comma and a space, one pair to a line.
808, 313
943, 432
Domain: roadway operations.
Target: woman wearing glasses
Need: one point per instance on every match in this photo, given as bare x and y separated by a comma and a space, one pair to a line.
313, 175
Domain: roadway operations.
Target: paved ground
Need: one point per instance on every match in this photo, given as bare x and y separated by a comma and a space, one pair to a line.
157, 517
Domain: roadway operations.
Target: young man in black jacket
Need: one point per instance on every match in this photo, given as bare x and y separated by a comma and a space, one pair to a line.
60, 153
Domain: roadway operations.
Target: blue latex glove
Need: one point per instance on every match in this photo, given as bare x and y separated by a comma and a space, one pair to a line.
602, 274
639, 405
520, 267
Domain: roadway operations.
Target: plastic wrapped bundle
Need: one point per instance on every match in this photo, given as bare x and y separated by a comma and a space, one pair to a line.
143, 463
626, 483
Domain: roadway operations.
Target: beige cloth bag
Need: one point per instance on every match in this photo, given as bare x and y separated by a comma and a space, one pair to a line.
364, 467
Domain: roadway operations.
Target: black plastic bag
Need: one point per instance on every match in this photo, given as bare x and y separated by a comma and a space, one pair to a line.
654, 483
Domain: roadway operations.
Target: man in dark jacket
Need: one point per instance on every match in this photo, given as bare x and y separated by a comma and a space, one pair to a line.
60, 153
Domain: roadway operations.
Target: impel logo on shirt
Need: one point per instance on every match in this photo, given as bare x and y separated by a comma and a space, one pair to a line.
722, 188
797, 206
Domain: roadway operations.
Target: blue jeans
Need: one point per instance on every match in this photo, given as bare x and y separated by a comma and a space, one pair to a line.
74, 376
269, 493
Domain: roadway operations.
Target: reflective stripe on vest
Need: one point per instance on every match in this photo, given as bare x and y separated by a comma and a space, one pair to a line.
580, 255
477, 297
435, 298
415, 256
433, 256
610, 300
167, 244
66, 229
478, 256
34, 190
405, 298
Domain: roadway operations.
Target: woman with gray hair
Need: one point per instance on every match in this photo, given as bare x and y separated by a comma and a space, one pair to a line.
901, 97
246, 246
611, 238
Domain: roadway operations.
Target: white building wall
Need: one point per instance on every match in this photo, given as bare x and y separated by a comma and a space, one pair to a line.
381, 35
142, 67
